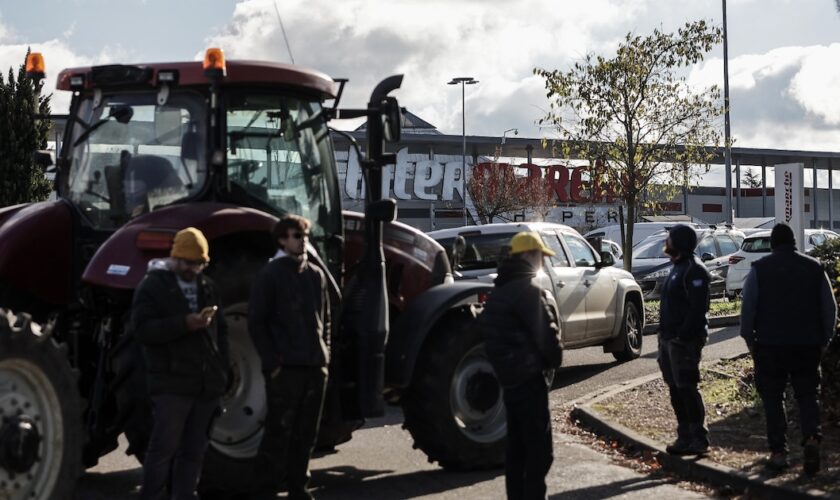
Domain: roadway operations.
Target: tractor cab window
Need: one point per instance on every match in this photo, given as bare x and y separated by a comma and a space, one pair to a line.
279, 159
131, 155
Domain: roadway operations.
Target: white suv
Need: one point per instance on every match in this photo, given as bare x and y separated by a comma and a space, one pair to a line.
599, 304
756, 246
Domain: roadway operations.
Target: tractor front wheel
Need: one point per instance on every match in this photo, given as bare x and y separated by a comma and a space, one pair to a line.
40, 414
454, 409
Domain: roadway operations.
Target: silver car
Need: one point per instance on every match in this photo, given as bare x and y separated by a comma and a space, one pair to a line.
599, 304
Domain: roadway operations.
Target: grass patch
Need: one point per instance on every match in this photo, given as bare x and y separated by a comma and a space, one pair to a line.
736, 423
717, 308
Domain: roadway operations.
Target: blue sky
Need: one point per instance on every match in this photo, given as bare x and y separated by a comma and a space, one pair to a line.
784, 54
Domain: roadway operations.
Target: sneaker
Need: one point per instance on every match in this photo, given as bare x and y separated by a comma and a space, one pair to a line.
678, 447
695, 447
778, 461
698, 447
811, 460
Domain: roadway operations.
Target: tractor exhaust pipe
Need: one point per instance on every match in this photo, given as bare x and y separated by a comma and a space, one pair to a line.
365, 318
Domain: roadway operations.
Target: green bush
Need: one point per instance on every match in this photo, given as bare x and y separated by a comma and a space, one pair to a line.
829, 254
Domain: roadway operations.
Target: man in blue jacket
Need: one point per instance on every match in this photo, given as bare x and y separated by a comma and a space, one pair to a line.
683, 333
788, 316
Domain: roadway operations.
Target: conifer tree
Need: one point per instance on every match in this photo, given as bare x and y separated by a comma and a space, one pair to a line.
21, 135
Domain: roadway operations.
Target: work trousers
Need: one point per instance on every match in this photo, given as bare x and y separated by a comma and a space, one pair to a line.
529, 444
180, 435
774, 366
680, 365
295, 398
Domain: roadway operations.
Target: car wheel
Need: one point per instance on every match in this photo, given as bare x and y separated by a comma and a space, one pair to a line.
631, 331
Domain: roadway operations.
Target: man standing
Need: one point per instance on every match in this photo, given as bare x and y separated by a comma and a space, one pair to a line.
683, 333
186, 351
289, 321
520, 327
788, 316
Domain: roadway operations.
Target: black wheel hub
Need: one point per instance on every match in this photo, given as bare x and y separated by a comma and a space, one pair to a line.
19, 440
482, 391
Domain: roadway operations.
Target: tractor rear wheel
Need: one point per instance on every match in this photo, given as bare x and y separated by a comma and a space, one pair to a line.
41, 434
454, 409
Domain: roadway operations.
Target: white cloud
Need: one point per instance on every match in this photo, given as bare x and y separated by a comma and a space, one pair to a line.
496, 42
817, 84
786, 98
57, 55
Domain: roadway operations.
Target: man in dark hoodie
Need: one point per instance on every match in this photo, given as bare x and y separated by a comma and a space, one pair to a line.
520, 327
683, 333
289, 322
788, 316
185, 345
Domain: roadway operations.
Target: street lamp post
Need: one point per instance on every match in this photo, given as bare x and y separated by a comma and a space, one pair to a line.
727, 151
463, 80
514, 130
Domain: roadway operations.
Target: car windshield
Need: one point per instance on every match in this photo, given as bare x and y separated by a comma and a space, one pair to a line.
483, 251
652, 248
133, 155
280, 158
755, 245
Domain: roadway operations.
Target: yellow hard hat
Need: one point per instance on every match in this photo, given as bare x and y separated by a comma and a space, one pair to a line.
527, 241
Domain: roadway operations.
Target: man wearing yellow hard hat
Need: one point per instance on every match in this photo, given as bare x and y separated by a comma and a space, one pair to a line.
521, 329
185, 346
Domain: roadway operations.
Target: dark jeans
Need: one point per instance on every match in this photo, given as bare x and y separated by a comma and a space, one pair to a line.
529, 445
295, 399
180, 435
680, 365
774, 365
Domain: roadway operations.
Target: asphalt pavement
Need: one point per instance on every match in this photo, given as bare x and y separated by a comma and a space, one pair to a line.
379, 462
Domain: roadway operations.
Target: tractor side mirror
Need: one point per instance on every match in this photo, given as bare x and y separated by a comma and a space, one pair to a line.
391, 119
382, 210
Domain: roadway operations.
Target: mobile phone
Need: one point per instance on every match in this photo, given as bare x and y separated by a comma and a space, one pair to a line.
209, 311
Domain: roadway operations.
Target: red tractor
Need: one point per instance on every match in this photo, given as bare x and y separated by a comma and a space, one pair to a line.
228, 148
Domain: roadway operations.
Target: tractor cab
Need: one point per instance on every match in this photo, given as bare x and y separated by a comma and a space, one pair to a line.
140, 138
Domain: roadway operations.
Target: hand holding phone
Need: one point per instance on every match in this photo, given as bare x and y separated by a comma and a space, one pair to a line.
208, 312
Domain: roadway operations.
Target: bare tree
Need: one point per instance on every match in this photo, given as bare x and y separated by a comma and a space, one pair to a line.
538, 196
495, 191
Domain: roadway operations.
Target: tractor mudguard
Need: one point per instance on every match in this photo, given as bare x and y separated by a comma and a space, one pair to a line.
36, 250
120, 263
413, 325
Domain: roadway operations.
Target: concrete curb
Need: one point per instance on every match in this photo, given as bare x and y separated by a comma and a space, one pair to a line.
690, 467
714, 322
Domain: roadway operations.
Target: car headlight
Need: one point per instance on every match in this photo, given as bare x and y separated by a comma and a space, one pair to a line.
662, 273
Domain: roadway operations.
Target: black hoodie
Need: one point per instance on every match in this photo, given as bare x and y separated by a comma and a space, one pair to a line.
685, 296
520, 325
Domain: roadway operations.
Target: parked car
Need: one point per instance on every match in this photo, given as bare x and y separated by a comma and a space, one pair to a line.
641, 231
599, 304
756, 246
651, 266
612, 247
